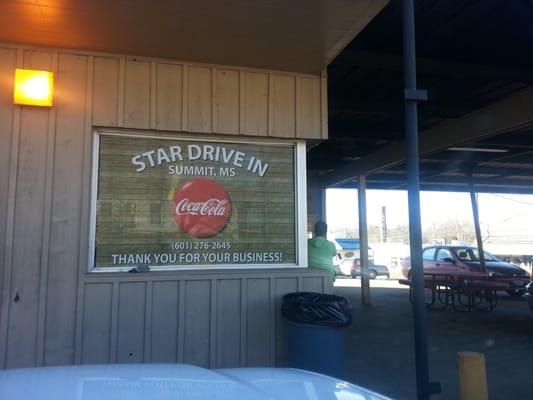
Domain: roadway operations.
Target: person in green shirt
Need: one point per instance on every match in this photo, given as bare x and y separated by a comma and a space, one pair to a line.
321, 251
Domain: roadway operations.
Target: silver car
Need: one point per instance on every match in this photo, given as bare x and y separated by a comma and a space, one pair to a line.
173, 381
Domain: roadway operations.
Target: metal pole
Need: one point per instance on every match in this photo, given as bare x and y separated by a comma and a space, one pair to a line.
475, 211
323, 205
363, 241
412, 95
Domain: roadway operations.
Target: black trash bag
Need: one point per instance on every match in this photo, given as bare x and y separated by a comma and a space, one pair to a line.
317, 309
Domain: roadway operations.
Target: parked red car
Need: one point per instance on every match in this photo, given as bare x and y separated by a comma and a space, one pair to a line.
467, 258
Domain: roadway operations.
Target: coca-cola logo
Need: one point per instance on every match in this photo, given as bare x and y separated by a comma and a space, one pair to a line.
201, 208
209, 207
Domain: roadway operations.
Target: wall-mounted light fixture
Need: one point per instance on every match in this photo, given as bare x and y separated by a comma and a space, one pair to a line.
33, 88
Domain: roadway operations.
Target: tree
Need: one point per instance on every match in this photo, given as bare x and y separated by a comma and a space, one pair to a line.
450, 231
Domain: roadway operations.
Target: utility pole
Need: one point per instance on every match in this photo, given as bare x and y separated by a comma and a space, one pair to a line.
384, 237
457, 232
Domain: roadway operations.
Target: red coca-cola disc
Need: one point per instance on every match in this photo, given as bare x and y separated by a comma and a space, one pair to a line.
201, 207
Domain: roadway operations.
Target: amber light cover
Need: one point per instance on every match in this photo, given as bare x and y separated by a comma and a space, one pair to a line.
33, 88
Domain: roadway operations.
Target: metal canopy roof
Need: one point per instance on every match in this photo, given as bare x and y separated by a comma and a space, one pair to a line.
296, 35
348, 244
475, 59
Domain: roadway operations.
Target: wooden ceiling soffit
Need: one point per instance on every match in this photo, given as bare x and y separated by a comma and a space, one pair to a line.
297, 36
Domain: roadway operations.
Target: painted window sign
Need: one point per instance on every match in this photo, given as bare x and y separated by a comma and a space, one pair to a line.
163, 202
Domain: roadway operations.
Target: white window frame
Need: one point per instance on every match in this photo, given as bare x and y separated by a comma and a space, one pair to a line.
300, 190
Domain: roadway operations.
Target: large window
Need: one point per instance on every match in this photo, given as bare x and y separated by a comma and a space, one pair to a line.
164, 202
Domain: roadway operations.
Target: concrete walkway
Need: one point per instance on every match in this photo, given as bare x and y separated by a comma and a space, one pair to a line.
380, 349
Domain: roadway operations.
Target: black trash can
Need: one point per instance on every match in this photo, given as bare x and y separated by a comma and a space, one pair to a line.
315, 334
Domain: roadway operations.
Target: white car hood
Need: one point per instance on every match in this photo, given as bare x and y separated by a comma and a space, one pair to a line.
173, 381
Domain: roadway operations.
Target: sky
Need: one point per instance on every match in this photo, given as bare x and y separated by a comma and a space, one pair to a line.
502, 212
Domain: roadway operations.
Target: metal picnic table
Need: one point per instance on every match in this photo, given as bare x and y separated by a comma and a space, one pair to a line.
459, 289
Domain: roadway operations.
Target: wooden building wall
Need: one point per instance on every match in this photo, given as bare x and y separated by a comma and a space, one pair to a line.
51, 311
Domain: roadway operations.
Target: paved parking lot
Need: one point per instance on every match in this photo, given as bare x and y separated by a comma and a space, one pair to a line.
380, 350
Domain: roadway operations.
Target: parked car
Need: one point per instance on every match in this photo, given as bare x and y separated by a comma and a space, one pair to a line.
374, 270
467, 258
173, 381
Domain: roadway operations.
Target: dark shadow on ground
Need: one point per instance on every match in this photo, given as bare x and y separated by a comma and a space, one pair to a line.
380, 345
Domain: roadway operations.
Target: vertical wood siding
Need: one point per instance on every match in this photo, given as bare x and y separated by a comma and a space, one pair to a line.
227, 92
51, 311
282, 106
29, 227
66, 184
211, 321
169, 95
97, 321
228, 323
9, 137
166, 96
105, 91
136, 95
